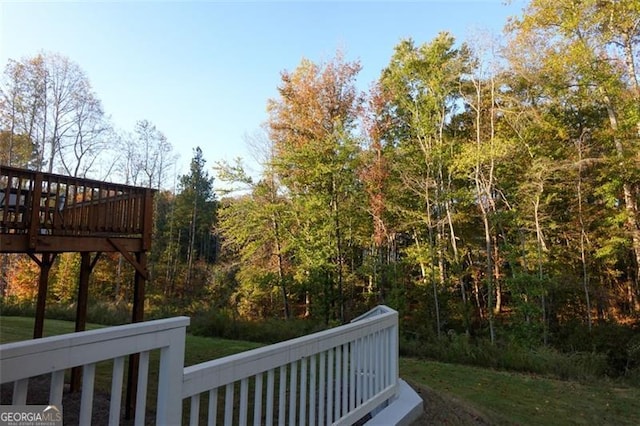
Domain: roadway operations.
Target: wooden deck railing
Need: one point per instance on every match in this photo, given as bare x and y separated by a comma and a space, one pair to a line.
51, 204
334, 377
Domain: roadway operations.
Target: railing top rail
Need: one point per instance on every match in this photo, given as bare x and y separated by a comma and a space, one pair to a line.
71, 180
69, 341
262, 359
378, 310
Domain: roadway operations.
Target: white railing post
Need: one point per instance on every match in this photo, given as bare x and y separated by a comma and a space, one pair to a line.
169, 405
270, 401
213, 406
86, 406
228, 404
395, 352
312, 391
244, 398
141, 392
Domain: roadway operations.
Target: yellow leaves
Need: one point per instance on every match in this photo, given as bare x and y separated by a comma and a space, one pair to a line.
473, 155
22, 277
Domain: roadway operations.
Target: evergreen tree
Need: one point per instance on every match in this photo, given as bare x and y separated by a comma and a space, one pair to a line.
194, 220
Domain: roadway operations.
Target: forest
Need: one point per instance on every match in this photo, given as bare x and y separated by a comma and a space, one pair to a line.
487, 189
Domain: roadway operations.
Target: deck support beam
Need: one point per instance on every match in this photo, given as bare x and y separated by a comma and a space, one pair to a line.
140, 267
44, 263
86, 267
136, 316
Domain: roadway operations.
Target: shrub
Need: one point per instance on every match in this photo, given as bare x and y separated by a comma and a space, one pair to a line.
612, 340
14, 307
461, 349
217, 323
105, 313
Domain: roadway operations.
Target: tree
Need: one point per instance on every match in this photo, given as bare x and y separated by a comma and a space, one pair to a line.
21, 105
153, 154
195, 217
253, 226
148, 156
374, 174
423, 83
591, 49
15, 150
315, 153
90, 135
47, 100
484, 156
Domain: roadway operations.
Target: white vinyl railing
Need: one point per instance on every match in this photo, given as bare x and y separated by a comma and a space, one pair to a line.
20, 361
337, 376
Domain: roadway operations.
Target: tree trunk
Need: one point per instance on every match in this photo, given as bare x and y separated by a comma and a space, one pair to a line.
338, 235
423, 273
630, 200
283, 287
457, 272
192, 238
441, 270
541, 246
489, 274
583, 259
496, 277
118, 284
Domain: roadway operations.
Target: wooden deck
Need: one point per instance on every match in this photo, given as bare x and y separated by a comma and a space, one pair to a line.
42, 212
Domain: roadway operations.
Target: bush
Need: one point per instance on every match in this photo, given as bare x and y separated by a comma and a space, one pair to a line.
461, 349
204, 322
216, 323
13, 307
105, 313
614, 341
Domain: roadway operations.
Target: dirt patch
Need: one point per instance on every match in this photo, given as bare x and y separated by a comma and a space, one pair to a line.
442, 409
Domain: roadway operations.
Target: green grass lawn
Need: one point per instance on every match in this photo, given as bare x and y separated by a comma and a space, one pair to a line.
198, 349
505, 398
514, 398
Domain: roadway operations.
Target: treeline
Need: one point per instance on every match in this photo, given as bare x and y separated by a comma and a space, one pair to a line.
477, 187
487, 189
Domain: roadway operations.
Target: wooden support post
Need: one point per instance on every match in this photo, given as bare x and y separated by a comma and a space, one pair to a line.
83, 291
147, 224
139, 288
45, 266
34, 212
81, 311
137, 316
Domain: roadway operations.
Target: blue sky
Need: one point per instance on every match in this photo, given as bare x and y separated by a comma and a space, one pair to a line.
202, 71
